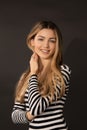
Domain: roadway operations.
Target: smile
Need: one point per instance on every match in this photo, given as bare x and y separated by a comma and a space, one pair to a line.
45, 51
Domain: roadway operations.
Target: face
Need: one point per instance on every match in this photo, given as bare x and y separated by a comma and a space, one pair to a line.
44, 43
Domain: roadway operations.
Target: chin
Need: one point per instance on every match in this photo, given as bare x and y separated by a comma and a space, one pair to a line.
45, 57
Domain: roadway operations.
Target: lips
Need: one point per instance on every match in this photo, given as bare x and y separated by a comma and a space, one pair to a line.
45, 51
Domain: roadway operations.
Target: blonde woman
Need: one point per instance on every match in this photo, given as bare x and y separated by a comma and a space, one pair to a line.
42, 89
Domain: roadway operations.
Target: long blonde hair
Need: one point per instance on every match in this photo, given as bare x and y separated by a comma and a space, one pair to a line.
47, 83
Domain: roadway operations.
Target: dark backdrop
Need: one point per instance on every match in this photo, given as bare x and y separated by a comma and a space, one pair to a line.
16, 20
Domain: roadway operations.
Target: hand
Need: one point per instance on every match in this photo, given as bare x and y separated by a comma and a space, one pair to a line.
34, 64
29, 116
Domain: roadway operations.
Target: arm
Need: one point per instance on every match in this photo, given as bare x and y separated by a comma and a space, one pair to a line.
18, 114
37, 103
66, 72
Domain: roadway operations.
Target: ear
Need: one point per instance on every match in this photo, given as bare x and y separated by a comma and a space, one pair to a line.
32, 45
32, 42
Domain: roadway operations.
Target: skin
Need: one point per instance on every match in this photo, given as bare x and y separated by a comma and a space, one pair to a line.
44, 45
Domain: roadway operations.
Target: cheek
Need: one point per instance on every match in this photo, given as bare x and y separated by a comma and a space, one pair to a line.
53, 51
36, 47
53, 48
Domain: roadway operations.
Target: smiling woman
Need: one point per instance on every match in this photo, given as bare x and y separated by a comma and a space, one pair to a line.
42, 90
44, 43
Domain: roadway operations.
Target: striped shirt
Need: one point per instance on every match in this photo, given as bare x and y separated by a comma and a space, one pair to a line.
48, 116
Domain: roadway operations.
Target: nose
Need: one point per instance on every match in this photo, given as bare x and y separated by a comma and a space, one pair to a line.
46, 44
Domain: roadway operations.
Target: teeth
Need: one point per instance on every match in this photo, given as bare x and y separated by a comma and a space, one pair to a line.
45, 51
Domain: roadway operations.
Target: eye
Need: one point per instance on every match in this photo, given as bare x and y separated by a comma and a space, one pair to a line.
40, 39
52, 40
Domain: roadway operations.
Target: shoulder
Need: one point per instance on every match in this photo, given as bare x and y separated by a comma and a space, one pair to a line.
66, 73
65, 68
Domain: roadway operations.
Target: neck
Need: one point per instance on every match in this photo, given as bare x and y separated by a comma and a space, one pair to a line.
44, 68
44, 63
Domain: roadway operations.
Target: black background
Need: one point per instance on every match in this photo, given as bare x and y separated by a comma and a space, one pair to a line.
16, 20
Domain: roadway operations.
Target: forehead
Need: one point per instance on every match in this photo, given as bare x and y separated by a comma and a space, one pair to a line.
46, 32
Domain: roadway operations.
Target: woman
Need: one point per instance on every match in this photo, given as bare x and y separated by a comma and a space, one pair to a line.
42, 89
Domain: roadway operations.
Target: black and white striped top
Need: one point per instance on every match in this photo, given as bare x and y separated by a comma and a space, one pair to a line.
48, 116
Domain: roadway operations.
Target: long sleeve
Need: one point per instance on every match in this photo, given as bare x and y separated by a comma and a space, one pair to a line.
50, 115
18, 113
66, 72
37, 103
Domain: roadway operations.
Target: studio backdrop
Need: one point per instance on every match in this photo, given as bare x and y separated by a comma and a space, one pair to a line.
16, 20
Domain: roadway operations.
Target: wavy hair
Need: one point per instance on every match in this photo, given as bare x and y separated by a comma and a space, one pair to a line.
49, 80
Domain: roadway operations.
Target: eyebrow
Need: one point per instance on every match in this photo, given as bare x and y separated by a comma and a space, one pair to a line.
41, 36
50, 37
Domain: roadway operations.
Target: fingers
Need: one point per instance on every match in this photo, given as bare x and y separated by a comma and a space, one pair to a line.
35, 56
34, 64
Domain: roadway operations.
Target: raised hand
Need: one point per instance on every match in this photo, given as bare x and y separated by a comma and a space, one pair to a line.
34, 64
